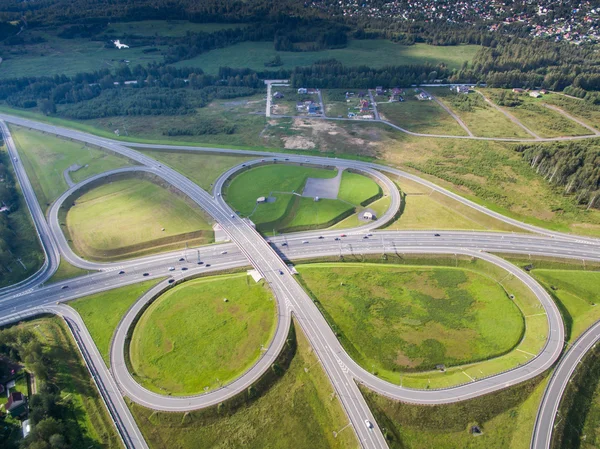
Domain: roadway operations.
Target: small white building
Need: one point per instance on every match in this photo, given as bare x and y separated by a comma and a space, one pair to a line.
535, 94
367, 216
303, 90
261, 199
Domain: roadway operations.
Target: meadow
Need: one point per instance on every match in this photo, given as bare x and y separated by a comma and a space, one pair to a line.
307, 413
89, 417
481, 118
409, 319
167, 28
584, 110
373, 53
202, 168
66, 271
420, 116
290, 211
131, 217
45, 158
202, 334
103, 311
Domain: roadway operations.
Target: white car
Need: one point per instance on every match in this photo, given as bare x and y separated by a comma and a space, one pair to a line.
171, 268
305, 241
223, 252
369, 424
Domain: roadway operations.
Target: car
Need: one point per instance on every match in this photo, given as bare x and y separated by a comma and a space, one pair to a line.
284, 244
207, 265
184, 268
280, 271
146, 274
171, 268
121, 272
336, 239
200, 262
305, 241
16, 159
274, 158
342, 235
262, 160
321, 237
223, 252
232, 215
171, 281
369, 424
182, 260
243, 165
436, 235
64, 287
287, 158
370, 234
218, 194
365, 236
305, 160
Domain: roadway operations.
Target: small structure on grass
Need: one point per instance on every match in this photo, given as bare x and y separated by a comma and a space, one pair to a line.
460, 89
367, 216
535, 94
277, 95
302, 90
261, 199
17, 404
476, 431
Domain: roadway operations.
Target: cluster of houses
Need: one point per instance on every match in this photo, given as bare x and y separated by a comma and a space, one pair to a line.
532, 93
309, 107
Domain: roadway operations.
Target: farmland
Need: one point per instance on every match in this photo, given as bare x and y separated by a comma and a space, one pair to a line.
202, 334
150, 217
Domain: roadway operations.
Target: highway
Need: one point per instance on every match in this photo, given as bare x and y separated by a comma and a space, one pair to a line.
249, 248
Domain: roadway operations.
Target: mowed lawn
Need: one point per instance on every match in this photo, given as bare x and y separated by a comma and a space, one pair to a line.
579, 294
202, 168
203, 333
420, 116
45, 158
300, 410
394, 318
288, 210
126, 218
357, 189
103, 311
373, 53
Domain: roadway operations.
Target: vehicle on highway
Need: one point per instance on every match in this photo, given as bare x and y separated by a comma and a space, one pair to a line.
184, 268
64, 286
182, 260
171, 281
370, 234
207, 265
342, 235
280, 271
369, 424
336, 239
321, 237
121, 272
200, 262
243, 165
305, 241
146, 274
232, 215
436, 235
171, 268
284, 244
287, 158
365, 236
219, 194
223, 252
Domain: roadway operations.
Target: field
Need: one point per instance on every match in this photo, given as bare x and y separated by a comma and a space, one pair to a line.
481, 118
46, 157
90, 420
306, 417
202, 334
577, 293
584, 110
202, 168
290, 211
58, 56
406, 319
335, 102
373, 53
27, 245
150, 218
423, 208
505, 417
420, 116
167, 28
357, 189
539, 119
103, 311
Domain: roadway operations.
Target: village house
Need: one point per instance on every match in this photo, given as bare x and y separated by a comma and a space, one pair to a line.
460, 89
379, 90
302, 90
278, 95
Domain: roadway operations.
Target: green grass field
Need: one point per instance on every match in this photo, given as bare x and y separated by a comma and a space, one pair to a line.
89, 418
577, 294
190, 340
584, 110
424, 208
26, 244
406, 319
421, 116
482, 119
505, 417
45, 158
202, 168
167, 28
58, 56
288, 211
103, 311
357, 189
126, 218
539, 119
373, 53
335, 102
298, 410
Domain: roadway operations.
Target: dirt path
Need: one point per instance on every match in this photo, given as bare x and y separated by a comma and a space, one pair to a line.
453, 114
570, 117
511, 117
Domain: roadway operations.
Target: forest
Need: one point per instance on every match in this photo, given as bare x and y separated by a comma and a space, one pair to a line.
9, 200
574, 166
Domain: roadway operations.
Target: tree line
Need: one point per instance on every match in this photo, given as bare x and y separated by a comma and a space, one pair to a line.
9, 199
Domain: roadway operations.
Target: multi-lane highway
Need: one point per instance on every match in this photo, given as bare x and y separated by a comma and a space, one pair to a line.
247, 248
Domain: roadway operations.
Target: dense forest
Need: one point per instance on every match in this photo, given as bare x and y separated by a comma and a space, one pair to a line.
575, 166
9, 201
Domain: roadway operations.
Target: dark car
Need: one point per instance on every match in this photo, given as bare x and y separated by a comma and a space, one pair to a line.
200, 263
207, 265
146, 274
365, 236
321, 237
336, 239
171, 281
280, 272
184, 268
182, 260
121, 272
284, 244
64, 286
436, 235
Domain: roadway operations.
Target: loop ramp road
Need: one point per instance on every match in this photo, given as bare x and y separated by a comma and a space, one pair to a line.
251, 248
